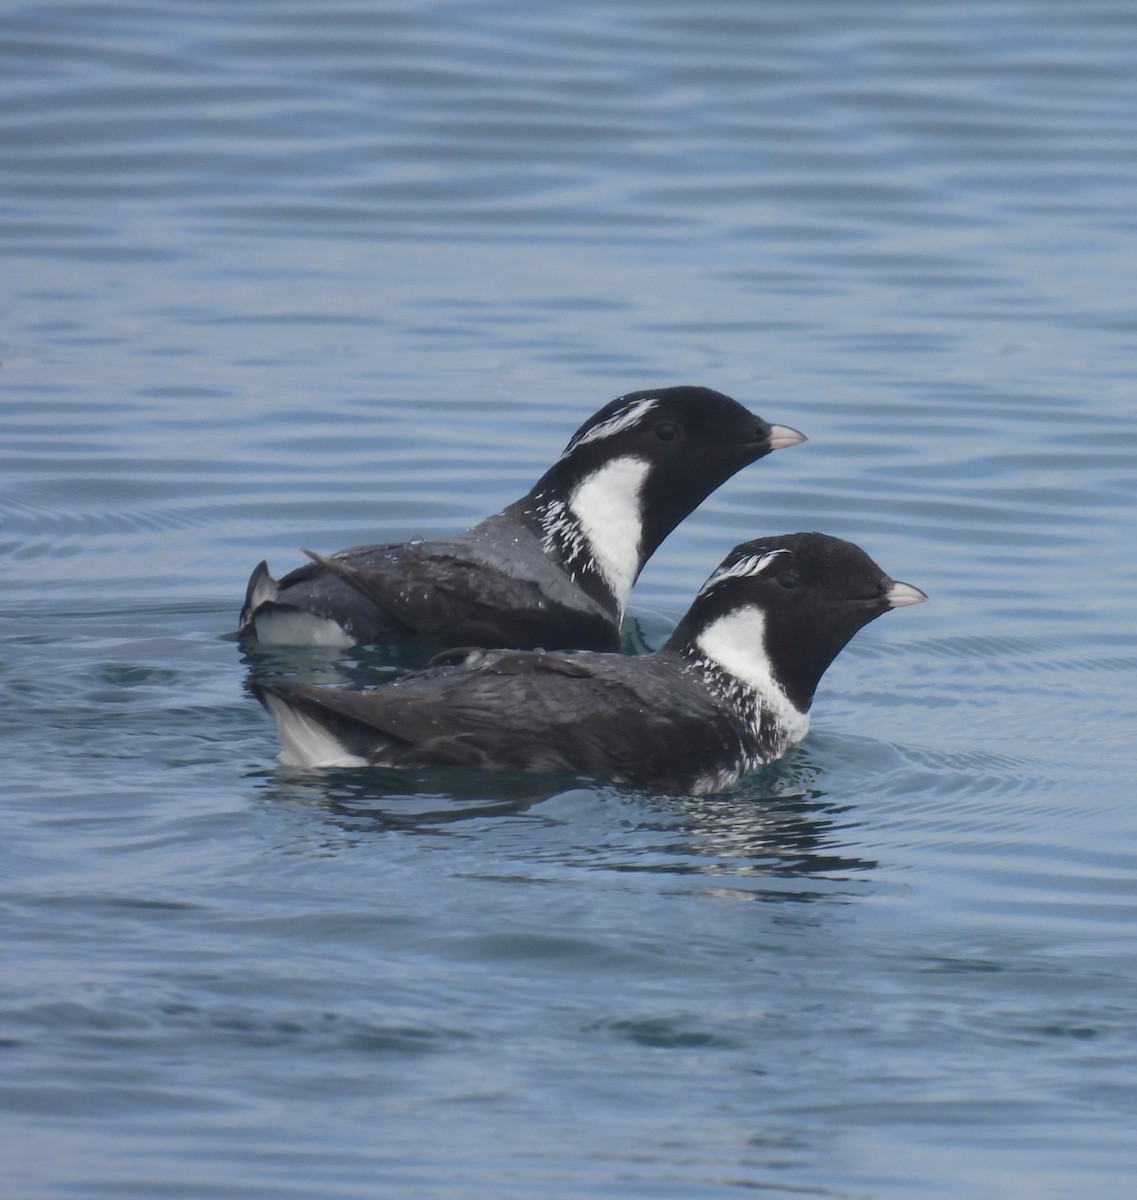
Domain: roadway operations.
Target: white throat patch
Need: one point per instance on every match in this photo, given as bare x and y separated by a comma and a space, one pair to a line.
736, 643
600, 525
607, 504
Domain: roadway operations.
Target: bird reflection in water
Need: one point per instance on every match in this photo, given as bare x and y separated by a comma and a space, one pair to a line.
776, 824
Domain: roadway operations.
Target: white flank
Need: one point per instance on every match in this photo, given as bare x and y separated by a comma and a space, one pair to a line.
752, 564
607, 506
306, 742
293, 628
737, 644
625, 418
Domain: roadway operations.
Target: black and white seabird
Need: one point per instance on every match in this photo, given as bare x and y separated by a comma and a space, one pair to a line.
551, 570
730, 690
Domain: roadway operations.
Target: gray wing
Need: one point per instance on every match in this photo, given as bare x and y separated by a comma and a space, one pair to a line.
443, 594
637, 721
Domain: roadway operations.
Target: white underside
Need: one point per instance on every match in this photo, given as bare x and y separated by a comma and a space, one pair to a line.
737, 643
305, 742
290, 628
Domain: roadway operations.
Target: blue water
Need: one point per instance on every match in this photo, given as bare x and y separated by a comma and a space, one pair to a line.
281, 275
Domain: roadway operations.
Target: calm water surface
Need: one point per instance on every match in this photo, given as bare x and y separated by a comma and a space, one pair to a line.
281, 275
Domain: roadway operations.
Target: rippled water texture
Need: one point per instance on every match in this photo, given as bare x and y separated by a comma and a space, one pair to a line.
281, 275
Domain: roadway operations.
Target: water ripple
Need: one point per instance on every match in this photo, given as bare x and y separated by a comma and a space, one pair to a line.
292, 275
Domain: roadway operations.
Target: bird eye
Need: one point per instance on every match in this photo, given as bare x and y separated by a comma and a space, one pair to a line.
788, 580
666, 431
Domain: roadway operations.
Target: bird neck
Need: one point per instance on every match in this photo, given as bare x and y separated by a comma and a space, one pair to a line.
735, 645
593, 526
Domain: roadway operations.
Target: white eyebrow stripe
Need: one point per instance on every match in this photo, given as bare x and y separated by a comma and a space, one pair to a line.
625, 418
752, 564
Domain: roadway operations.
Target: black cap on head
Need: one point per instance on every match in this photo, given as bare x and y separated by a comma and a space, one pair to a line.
813, 592
693, 439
